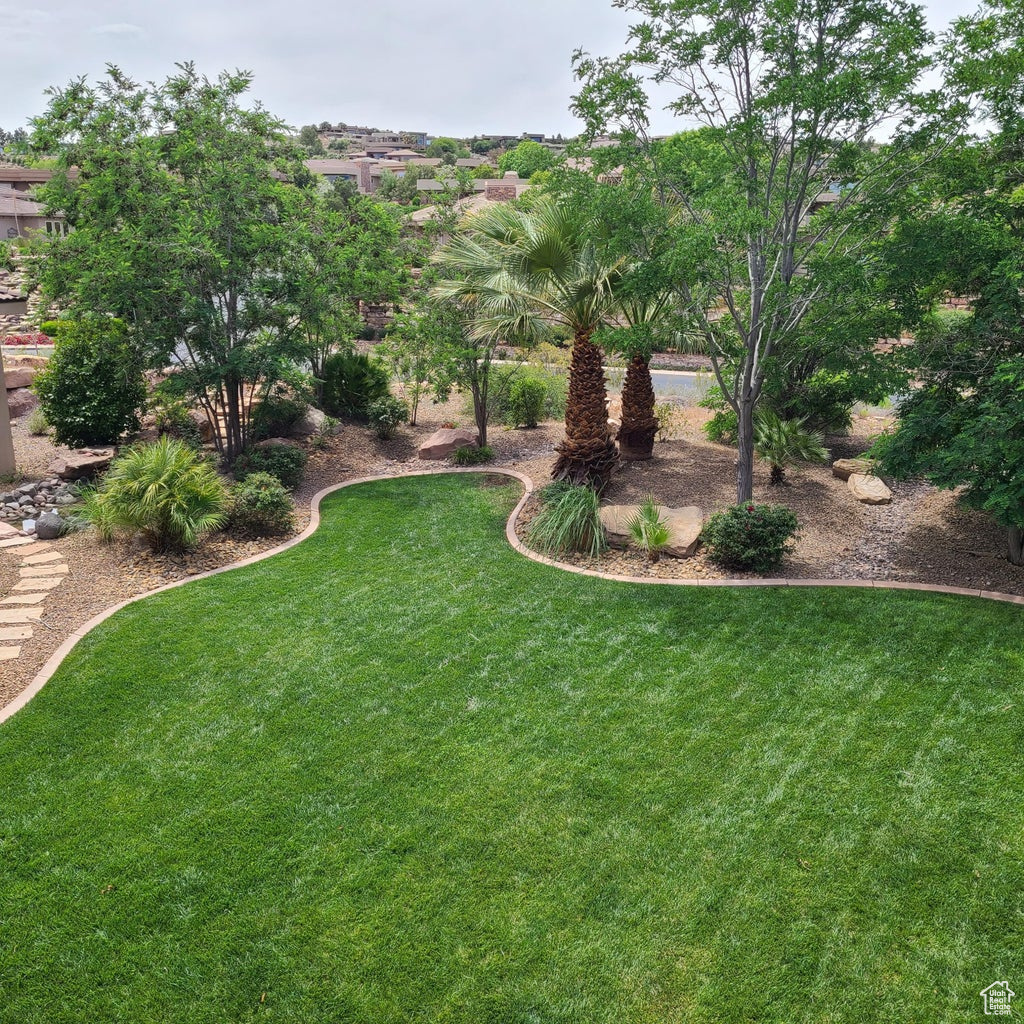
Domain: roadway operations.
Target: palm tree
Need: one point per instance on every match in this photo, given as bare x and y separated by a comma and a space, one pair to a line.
522, 271
639, 424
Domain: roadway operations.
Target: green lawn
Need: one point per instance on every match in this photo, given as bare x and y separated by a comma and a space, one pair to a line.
400, 773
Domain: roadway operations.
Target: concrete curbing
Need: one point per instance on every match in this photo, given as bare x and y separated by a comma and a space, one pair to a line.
54, 661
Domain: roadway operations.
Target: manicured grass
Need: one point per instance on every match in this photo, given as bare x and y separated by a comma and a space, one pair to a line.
400, 773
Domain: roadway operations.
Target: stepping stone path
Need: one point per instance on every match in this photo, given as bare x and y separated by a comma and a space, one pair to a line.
42, 568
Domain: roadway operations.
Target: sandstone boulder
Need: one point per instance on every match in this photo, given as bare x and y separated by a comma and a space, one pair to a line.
443, 442
202, 422
20, 402
684, 526
869, 489
843, 469
18, 376
312, 421
276, 442
80, 464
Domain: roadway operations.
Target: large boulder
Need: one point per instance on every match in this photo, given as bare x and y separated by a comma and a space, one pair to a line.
81, 464
843, 469
869, 489
684, 526
443, 442
49, 526
202, 422
18, 376
20, 402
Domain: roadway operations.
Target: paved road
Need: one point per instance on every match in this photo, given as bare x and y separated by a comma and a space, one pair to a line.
675, 384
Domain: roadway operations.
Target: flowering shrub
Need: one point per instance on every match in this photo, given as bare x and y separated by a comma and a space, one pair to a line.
37, 338
750, 538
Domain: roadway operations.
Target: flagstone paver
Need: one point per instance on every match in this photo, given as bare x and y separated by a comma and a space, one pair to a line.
44, 570
11, 615
15, 632
16, 542
43, 558
37, 598
9, 653
34, 546
38, 583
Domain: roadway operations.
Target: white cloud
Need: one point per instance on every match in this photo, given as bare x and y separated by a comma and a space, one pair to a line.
119, 28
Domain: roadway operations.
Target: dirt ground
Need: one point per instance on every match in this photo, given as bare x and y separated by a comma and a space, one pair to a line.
923, 536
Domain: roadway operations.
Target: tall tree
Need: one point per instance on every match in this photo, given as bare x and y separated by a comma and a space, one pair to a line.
180, 230
788, 92
520, 271
963, 427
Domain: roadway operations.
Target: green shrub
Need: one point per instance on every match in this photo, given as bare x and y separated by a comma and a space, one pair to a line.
37, 423
92, 388
750, 538
260, 505
174, 419
569, 519
470, 455
526, 400
825, 401
352, 383
279, 411
648, 530
386, 415
165, 490
285, 462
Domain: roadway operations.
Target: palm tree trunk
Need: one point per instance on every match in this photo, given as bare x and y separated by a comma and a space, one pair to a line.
639, 424
588, 454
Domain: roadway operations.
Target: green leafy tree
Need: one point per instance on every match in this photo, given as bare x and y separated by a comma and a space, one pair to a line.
180, 230
786, 92
526, 159
962, 426
309, 140
447, 149
347, 250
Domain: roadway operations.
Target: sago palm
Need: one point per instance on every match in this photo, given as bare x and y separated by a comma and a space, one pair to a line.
518, 272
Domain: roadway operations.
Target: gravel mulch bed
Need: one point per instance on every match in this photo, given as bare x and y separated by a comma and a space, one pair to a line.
924, 536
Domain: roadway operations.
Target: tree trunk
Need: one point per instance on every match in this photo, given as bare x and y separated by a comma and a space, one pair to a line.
745, 460
1015, 542
588, 454
639, 424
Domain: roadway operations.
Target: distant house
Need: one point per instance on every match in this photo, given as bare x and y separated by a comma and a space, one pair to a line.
21, 216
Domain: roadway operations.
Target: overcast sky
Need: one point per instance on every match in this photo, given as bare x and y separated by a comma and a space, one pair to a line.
447, 67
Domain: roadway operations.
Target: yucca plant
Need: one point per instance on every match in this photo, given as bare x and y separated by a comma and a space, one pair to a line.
569, 520
163, 490
783, 442
648, 529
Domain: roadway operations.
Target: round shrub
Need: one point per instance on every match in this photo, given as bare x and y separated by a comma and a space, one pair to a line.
165, 490
386, 415
526, 400
173, 417
285, 462
750, 538
278, 413
352, 383
260, 505
92, 388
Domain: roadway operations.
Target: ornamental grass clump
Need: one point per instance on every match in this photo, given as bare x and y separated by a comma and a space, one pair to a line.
750, 538
569, 520
163, 490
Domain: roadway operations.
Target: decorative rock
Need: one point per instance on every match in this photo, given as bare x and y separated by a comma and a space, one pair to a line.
276, 442
869, 489
843, 469
19, 376
202, 422
310, 422
85, 462
20, 402
443, 442
49, 526
684, 526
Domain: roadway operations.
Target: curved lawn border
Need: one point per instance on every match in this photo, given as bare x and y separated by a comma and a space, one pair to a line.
54, 661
